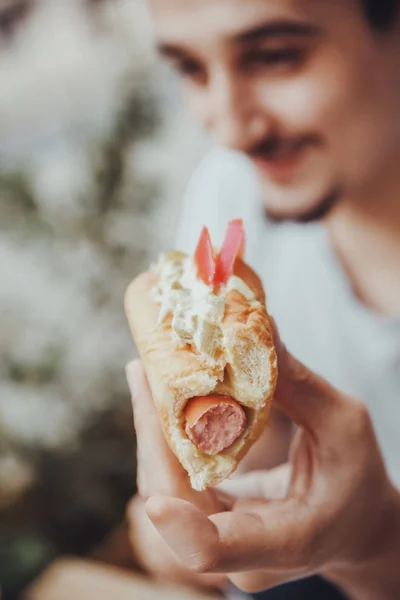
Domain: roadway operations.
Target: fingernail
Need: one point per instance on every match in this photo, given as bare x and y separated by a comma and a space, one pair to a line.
155, 507
132, 372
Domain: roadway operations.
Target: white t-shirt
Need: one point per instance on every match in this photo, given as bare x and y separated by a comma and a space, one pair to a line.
319, 318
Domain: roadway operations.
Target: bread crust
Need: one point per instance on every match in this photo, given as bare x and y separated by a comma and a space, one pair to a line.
245, 369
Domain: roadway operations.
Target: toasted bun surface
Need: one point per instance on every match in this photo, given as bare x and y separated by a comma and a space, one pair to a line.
245, 370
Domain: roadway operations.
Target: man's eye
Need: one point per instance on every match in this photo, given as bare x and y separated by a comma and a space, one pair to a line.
290, 57
189, 68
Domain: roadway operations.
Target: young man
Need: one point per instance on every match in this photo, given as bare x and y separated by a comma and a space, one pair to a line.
304, 95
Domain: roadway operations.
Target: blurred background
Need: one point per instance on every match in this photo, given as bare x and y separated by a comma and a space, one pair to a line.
95, 152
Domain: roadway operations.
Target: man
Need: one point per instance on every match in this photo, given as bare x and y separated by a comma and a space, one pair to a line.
305, 96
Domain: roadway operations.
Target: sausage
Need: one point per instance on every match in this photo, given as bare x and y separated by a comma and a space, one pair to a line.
213, 423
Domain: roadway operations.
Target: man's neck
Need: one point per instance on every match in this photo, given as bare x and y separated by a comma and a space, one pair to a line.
366, 237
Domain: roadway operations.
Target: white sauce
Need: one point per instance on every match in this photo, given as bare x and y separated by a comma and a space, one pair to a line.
197, 312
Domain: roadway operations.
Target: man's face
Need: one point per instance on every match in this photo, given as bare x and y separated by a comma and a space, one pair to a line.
304, 87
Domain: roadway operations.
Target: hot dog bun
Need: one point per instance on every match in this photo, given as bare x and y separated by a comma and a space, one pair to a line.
245, 370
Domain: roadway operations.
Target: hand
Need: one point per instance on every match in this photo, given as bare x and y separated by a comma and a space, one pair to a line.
154, 555
331, 510
159, 472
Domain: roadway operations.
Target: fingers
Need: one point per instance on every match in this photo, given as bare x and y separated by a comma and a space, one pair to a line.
159, 471
304, 397
257, 535
144, 412
154, 556
196, 539
187, 531
151, 443
226, 500
272, 485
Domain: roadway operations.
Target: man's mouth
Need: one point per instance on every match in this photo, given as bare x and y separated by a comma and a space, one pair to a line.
280, 161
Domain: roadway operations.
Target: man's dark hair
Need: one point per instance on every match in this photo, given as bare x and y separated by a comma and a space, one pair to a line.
381, 13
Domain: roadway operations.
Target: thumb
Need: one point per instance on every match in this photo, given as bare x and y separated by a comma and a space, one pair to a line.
259, 534
307, 399
223, 543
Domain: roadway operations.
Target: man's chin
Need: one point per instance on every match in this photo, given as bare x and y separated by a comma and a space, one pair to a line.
305, 214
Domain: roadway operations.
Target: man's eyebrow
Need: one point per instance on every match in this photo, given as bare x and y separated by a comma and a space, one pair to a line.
276, 29
272, 29
171, 50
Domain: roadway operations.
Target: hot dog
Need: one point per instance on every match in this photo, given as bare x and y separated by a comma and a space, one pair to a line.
204, 336
214, 423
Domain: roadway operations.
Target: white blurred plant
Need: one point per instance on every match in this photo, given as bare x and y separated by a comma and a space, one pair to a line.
92, 166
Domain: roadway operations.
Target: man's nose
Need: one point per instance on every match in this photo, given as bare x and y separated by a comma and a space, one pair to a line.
235, 116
